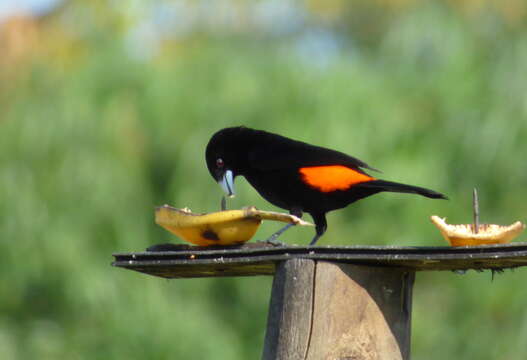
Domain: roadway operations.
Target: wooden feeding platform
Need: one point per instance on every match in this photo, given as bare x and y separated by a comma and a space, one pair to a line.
349, 302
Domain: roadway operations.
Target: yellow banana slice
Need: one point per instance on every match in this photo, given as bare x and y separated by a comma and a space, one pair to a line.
230, 227
463, 234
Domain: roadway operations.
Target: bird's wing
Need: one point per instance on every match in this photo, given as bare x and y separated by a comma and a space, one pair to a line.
287, 154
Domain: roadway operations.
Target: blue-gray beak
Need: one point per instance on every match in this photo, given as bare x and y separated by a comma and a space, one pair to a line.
227, 183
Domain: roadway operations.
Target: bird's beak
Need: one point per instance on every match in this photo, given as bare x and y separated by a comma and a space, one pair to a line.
227, 183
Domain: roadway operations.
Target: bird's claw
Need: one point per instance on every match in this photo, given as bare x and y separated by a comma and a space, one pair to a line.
272, 241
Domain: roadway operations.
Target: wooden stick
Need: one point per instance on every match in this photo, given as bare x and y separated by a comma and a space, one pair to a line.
475, 207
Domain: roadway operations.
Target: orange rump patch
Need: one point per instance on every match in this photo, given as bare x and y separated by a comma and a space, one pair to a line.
332, 178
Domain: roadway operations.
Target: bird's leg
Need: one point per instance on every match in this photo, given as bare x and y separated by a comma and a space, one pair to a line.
272, 239
223, 204
321, 226
315, 239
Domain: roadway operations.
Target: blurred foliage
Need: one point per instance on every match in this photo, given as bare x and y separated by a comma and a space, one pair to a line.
106, 108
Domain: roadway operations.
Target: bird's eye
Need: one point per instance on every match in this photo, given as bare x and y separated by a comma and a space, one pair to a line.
219, 162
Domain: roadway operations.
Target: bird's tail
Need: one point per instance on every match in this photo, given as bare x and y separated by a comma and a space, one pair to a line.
390, 186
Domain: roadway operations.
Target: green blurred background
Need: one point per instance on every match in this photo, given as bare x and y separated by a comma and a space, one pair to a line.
105, 111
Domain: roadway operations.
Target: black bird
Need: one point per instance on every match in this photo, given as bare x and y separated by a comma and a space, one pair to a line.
294, 175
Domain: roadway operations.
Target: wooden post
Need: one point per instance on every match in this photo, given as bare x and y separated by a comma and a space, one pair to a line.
327, 310
322, 306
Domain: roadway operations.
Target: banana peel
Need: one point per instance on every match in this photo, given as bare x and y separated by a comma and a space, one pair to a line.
463, 234
230, 227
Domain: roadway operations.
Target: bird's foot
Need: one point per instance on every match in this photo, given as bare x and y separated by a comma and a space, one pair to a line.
272, 241
275, 242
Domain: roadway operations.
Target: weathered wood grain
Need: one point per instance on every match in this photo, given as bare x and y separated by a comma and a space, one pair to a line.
290, 311
361, 312
323, 310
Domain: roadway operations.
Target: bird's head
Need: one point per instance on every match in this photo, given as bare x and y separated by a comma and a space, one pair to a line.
224, 155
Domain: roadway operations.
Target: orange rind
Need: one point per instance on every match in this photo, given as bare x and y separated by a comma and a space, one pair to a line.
488, 234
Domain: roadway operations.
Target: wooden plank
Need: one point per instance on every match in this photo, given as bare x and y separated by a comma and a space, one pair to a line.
290, 311
179, 261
